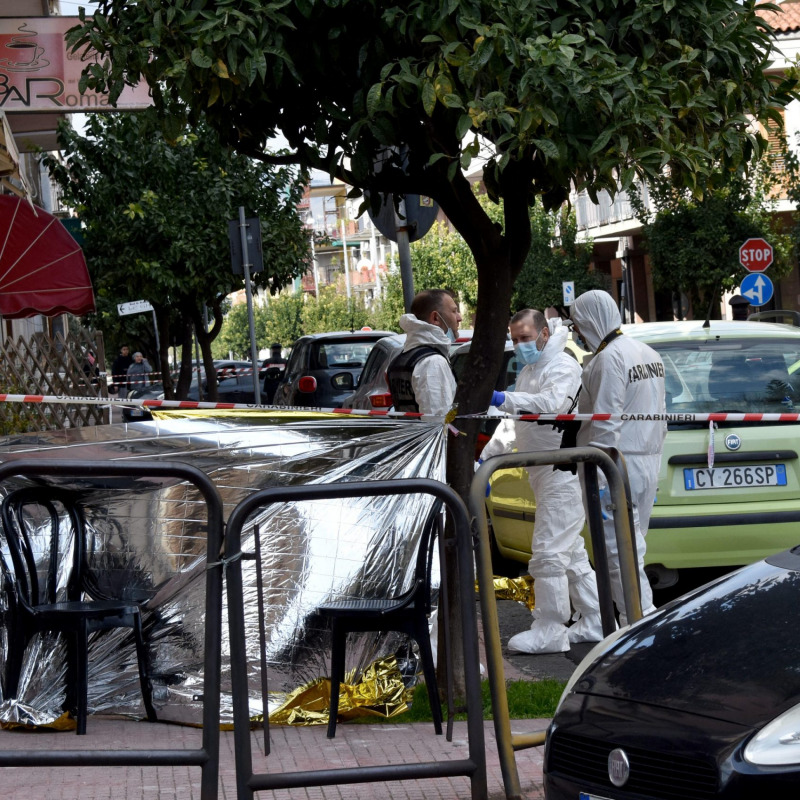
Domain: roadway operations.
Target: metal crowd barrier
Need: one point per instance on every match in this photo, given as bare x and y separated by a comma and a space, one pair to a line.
207, 757
473, 767
592, 458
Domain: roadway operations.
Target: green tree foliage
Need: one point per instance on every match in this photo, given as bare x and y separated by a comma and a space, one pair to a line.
332, 311
155, 216
555, 256
283, 321
442, 260
694, 242
234, 334
588, 95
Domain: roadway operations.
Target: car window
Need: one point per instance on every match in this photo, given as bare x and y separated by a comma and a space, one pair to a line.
340, 355
731, 374
296, 359
375, 361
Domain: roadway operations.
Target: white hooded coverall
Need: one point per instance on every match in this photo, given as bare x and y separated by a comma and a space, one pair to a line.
433, 381
625, 377
559, 563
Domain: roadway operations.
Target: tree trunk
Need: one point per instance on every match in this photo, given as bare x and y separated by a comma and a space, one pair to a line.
499, 259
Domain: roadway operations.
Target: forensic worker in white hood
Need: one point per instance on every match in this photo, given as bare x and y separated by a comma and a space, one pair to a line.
548, 384
625, 376
420, 378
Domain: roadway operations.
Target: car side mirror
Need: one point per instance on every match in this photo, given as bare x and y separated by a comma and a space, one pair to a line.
343, 380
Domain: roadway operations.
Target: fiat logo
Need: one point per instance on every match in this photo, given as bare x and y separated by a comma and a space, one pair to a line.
619, 768
732, 441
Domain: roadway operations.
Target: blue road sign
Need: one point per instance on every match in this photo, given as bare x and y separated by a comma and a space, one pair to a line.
757, 288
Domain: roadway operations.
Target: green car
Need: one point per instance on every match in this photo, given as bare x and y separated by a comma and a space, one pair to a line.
748, 505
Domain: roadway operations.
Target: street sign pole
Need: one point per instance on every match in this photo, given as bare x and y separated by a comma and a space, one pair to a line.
249, 294
404, 255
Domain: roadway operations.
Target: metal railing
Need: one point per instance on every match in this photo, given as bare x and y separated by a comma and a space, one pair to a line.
592, 458
473, 767
206, 757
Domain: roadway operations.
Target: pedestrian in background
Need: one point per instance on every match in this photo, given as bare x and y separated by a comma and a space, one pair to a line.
119, 371
625, 376
549, 383
420, 378
139, 372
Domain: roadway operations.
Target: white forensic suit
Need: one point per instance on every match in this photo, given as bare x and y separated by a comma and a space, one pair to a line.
625, 376
559, 563
433, 382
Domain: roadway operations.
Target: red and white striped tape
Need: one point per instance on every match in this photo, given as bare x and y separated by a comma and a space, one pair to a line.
192, 404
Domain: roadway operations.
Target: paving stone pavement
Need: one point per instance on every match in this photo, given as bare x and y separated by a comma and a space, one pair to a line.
292, 748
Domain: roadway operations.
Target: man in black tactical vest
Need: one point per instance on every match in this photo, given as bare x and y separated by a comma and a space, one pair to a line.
420, 378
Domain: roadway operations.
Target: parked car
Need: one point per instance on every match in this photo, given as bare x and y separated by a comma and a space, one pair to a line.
745, 507
237, 388
699, 700
228, 367
372, 388
323, 368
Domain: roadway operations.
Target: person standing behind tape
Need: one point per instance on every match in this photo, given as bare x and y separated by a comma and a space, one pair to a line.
549, 383
625, 376
420, 378
139, 372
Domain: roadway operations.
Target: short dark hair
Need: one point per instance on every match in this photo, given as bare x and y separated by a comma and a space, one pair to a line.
428, 301
536, 318
275, 346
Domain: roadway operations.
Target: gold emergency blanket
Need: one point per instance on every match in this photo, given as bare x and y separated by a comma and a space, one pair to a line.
149, 545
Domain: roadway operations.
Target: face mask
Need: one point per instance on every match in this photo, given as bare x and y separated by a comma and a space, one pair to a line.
451, 334
528, 352
579, 340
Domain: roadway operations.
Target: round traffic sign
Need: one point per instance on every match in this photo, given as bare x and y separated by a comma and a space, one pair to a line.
758, 289
755, 255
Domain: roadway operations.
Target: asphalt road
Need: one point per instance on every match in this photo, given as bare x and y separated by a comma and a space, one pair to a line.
513, 618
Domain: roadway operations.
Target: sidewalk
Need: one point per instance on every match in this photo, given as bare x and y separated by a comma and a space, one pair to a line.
292, 749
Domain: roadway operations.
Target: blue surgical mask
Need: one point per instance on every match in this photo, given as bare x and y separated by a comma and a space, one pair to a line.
528, 352
451, 334
579, 340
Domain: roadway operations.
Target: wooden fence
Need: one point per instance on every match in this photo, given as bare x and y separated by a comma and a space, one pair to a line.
53, 365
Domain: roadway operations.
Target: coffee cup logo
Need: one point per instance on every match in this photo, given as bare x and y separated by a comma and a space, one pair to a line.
21, 53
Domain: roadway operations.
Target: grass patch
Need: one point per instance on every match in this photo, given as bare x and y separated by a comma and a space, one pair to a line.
526, 700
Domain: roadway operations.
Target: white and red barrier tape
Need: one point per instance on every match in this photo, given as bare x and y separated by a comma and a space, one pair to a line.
192, 404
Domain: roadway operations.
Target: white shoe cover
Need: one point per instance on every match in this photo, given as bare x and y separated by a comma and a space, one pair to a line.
544, 636
586, 629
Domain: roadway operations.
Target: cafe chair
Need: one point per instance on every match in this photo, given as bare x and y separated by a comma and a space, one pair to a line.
407, 614
76, 610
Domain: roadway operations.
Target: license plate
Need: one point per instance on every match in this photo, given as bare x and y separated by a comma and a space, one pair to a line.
738, 476
586, 796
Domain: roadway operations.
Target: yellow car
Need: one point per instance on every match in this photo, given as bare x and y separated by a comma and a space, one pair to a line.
744, 508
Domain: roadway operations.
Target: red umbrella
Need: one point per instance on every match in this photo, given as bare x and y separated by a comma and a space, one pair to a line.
42, 268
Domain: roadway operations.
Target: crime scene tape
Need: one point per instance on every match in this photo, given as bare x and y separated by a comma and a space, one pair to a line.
355, 412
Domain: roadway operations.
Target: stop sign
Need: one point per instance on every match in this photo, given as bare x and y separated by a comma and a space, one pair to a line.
755, 255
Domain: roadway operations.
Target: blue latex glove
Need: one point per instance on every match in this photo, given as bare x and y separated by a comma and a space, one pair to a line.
497, 398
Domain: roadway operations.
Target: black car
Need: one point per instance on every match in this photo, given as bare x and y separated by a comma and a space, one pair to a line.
698, 700
324, 367
233, 389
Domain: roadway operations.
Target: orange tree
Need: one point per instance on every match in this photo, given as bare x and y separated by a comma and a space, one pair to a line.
402, 97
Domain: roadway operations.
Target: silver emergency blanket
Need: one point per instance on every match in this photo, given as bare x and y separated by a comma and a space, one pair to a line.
148, 544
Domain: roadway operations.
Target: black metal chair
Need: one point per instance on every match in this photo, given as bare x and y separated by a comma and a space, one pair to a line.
82, 608
407, 614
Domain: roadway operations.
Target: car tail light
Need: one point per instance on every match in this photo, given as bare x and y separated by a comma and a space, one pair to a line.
483, 440
381, 400
307, 384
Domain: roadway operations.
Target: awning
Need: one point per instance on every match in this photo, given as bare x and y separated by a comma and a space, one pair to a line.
10, 166
42, 268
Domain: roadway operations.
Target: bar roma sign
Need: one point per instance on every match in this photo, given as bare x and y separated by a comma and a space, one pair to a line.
38, 74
